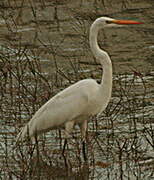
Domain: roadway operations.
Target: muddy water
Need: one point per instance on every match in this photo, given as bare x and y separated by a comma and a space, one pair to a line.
63, 28
56, 33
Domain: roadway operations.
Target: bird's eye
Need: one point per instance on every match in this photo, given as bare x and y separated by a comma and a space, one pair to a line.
108, 22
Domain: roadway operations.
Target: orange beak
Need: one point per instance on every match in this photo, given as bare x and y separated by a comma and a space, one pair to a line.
126, 22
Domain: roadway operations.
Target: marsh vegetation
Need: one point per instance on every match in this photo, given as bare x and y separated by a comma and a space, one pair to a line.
44, 48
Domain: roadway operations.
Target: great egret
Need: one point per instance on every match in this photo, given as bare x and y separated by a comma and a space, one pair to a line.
75, 104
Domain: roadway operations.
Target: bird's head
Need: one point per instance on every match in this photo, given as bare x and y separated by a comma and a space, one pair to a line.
110, 22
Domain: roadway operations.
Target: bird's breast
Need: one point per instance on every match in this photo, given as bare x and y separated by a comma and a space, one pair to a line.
97, 104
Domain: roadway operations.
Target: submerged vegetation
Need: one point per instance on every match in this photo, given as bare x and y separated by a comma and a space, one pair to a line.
43, 49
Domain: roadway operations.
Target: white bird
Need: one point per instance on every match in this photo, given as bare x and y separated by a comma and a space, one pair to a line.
75, 104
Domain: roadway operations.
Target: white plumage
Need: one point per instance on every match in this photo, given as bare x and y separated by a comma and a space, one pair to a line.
75, 104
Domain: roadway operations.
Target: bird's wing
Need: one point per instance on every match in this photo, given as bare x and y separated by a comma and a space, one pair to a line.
65, 106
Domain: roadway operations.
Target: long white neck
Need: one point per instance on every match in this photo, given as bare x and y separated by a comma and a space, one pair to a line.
103, 57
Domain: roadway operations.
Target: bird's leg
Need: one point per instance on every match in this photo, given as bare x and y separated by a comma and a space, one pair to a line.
65, 143
84, 150
65, 159
83, 128
68, 128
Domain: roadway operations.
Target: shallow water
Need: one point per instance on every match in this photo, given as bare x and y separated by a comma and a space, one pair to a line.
44, 48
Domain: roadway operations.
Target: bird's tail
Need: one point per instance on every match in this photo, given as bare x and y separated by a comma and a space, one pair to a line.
23, 134
19, 137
